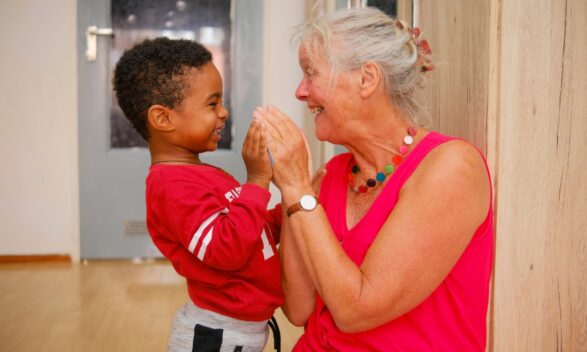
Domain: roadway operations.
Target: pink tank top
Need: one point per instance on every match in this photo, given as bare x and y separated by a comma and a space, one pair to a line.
452, 318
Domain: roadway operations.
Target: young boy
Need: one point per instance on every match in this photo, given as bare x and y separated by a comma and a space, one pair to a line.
216, 232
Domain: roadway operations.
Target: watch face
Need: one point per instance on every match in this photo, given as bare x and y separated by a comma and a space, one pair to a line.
308, 202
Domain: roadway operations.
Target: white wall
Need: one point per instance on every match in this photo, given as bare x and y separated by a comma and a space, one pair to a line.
39, 208
38, 128
281, 72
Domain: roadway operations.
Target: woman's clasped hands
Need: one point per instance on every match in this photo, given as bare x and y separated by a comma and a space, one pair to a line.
288, 148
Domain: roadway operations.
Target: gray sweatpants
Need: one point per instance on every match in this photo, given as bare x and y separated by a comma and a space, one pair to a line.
200, 330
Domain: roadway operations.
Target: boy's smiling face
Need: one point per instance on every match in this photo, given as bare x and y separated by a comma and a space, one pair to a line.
200, 117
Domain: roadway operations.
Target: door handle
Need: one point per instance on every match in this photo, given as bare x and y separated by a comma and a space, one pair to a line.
92, 32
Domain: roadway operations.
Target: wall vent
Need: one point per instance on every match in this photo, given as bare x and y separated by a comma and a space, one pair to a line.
135, 227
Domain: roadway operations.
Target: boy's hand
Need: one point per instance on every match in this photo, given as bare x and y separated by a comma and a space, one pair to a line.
255, 155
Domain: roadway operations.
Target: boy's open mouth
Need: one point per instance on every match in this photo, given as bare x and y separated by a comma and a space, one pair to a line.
218, 131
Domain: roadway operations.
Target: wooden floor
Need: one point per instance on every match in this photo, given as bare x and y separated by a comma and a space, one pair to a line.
95, 306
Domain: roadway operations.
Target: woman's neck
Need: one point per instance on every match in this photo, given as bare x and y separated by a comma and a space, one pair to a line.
374, 147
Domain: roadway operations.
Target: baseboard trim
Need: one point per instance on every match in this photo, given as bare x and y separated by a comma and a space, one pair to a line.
5, 259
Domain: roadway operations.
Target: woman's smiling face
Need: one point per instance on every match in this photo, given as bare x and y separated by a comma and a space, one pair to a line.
327, 95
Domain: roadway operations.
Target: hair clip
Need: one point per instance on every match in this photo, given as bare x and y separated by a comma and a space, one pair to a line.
423, 45
423, 49
427, 67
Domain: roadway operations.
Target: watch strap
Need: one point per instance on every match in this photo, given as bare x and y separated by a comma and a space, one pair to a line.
294, 209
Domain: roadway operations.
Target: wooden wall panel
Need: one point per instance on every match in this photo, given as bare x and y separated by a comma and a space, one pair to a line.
456, 93
540, 287
512, 78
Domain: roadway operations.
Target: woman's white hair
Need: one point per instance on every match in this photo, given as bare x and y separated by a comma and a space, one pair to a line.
349, 38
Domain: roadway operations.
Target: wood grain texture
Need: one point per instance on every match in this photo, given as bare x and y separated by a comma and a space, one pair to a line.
511, 78
456, 92
493, 135
540, 294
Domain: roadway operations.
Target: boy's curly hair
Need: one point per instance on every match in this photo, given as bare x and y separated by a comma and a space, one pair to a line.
151, 72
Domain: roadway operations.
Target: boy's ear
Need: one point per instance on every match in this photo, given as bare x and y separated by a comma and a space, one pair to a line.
370, 79
160, 119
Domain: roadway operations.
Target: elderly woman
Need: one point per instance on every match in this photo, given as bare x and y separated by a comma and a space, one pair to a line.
394, 253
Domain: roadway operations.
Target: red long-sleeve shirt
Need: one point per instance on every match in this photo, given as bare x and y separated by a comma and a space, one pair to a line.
217, 234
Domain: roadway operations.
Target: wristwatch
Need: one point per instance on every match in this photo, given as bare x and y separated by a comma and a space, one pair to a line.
307, 202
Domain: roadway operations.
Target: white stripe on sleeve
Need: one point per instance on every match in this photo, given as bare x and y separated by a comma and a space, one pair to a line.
200, 230
205, 243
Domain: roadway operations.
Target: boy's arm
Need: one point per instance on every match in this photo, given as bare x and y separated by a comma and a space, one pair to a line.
219, 234
227, 237
274, 222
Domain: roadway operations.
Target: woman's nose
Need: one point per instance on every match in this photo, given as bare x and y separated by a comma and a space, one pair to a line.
302, 90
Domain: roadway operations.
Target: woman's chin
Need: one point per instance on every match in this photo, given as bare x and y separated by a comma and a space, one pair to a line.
321, 137
326, 136
322, 134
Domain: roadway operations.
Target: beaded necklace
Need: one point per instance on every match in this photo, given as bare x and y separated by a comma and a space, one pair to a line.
389, 169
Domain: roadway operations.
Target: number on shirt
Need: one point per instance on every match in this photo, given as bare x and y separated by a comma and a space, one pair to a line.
267, 249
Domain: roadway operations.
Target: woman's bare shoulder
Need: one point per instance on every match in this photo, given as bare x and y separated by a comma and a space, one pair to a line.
453, 159
455, 170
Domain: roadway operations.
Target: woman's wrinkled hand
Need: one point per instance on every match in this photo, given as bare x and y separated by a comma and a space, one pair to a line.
288, 148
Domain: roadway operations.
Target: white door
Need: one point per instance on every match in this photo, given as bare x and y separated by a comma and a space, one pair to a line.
113, 161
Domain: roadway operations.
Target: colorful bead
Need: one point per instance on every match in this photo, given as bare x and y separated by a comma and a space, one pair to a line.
389, 169
363, 189
371, 182
412, 131
403, 149
408, 140
397, 159
355, 169
380, 176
